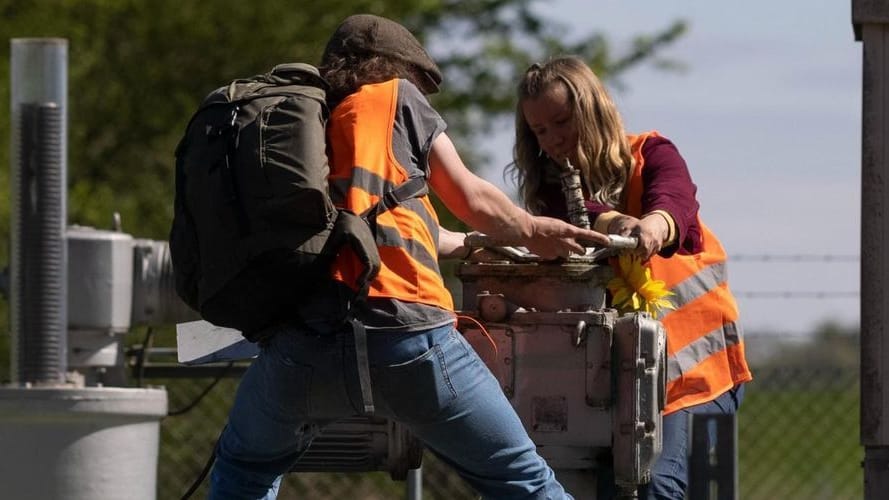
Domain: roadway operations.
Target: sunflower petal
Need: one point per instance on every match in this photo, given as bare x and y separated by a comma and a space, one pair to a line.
622, 296
633, 289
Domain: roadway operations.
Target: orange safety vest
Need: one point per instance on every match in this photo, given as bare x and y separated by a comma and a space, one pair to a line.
705, 345
362, 168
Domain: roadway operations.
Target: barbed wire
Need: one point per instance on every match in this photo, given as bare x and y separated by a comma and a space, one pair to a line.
817, 295
794, 258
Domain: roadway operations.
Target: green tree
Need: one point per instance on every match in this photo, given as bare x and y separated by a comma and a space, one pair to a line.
138, 68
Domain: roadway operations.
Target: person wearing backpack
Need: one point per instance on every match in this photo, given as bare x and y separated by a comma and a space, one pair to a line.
382, 133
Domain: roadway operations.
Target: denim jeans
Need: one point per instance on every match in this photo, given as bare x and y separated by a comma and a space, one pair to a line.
669, 475
431, 381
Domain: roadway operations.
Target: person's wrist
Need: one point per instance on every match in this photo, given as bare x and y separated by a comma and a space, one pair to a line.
467, 249
667, 229
530, 227
605, 220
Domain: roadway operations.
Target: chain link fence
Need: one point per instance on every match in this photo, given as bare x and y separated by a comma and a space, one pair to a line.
797, 432
798, 428
187, 441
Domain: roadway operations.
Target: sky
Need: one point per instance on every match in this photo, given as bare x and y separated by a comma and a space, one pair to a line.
767, 114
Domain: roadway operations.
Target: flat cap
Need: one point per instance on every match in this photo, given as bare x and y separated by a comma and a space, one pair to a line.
364, 34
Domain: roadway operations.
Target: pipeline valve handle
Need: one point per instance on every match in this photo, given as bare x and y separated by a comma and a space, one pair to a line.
618, 242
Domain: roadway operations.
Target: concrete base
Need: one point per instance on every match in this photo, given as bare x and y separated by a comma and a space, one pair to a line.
80, 444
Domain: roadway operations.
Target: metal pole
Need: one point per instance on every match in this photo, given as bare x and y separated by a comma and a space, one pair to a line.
870, 19
713, 464
39, 265
414, 482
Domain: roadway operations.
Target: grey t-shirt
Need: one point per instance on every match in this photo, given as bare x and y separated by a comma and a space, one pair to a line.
416, 126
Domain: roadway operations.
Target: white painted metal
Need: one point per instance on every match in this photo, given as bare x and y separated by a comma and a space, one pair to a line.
80, 444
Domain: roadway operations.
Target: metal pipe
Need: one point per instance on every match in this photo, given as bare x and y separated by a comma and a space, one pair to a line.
155, 301
573, 190
414, 486
38, 269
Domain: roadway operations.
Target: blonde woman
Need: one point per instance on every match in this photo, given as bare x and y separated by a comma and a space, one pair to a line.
638, 185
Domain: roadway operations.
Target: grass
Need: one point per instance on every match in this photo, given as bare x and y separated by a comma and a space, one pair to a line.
801, 441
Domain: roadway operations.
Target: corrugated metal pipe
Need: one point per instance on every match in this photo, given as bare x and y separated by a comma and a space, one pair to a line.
573, 190
38, 267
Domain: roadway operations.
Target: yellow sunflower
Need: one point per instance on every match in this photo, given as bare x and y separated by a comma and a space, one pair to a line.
633, 289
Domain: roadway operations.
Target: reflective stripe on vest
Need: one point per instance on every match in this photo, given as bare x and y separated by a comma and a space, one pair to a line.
373, 183
363, 168
705, 346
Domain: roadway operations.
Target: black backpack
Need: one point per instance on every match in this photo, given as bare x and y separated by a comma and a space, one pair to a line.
254, 228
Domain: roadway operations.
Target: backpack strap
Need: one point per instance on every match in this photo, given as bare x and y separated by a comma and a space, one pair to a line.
297, 73
359, 334
414, 187
229, 132
359, 233
349, 229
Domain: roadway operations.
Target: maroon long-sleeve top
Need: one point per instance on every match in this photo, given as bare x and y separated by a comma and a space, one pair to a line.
666, 185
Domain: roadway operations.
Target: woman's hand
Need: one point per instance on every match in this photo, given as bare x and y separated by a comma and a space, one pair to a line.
652, 231
623, 225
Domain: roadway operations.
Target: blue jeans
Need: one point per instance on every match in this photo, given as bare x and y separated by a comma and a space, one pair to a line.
431, 381
669, 475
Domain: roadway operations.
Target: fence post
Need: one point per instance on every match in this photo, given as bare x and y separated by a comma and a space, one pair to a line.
414, 484
715, 464
870, 20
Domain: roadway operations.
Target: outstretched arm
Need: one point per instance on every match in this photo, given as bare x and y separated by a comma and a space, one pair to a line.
486, 208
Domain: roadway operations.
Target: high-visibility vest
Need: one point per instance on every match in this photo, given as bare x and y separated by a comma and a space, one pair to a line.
705, 344
363, 168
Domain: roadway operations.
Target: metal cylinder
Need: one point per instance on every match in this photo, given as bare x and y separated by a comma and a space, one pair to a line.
100, 284
80, 444
155, 301
38, 260
100, 280
363, 444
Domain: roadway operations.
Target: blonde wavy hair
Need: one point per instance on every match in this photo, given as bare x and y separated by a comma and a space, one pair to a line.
603, 152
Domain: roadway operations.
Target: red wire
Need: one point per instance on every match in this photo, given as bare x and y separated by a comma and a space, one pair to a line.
484, 331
